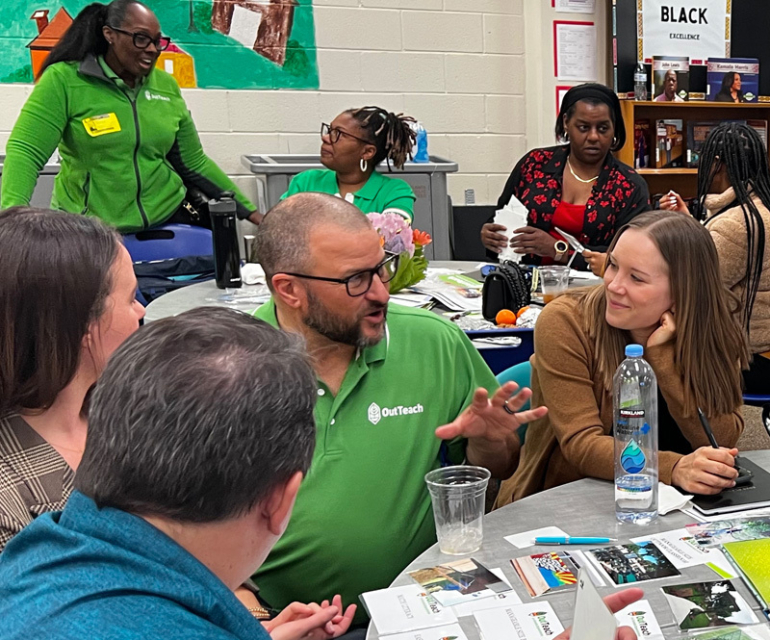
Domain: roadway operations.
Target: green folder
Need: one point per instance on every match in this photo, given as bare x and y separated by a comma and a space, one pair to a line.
751, 558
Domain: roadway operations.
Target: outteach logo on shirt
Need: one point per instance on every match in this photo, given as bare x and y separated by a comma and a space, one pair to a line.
156, 96
375, 413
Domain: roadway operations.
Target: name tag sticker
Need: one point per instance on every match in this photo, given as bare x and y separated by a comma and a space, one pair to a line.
101, 125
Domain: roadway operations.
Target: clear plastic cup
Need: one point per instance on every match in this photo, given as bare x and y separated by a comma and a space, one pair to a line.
457, 494
554, 281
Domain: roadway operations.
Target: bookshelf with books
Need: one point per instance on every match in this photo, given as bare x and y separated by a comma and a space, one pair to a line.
682, 179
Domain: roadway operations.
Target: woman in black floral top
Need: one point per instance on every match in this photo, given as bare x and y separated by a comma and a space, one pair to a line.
579, 187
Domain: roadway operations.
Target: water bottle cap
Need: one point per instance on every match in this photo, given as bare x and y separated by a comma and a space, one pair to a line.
634, 351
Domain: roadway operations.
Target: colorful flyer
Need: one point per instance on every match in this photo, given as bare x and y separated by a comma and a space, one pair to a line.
712, 534
457, 582
546, 572
629, 563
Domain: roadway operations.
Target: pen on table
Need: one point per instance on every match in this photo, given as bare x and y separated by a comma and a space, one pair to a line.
572, 540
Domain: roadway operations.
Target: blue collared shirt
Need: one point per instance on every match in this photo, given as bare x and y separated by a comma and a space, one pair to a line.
103, 573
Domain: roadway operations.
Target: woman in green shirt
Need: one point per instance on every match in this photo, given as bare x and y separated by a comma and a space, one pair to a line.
352, 146
128, 145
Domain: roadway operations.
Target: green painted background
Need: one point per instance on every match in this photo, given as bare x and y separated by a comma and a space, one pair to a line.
220, 62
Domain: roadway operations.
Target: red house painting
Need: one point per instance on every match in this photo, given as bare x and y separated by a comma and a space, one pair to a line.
48, 36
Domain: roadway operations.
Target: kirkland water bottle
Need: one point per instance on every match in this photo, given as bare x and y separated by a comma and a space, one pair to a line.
640, 82
635, 425
227, 256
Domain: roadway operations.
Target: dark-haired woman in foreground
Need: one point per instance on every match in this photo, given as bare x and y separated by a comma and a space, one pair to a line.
662, 289
579, 187
128, 145
352, 146
67, 301
734, 197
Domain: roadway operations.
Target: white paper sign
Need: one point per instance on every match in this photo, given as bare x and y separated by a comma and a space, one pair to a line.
576, 52
576, 6
452, 631
404, 609
592, 619
512, 216
639, 616
692, 28
522, 621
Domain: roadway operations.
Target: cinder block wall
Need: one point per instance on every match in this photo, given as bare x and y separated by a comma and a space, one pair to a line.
459, 66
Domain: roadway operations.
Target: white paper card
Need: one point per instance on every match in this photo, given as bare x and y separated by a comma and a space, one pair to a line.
678, 546
592, 619
639, 616
527, 538
505, 599
576, 51
404, 609
452, 631
530, 620
454, 598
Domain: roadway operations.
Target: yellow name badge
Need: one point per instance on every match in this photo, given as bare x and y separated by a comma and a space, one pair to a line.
102, 125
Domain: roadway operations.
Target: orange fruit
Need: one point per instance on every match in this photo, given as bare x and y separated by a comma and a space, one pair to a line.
505, 316
520, 311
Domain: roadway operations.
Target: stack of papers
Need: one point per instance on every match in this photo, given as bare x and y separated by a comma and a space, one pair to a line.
455, 291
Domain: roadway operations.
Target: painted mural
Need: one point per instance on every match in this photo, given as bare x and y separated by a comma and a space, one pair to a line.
222, 44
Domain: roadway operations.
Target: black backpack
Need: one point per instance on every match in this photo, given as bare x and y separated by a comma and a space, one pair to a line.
157, 277
507, 286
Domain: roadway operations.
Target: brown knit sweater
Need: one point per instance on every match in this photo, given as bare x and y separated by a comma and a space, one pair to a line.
728, 231
572, 441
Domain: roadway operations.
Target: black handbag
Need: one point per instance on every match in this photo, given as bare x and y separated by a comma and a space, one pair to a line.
507, 286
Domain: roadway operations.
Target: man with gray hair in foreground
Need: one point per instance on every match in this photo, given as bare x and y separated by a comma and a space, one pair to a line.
200, 431
400, 391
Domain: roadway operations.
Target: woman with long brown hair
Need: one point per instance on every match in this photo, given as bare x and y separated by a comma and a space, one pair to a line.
67, 301
662, 289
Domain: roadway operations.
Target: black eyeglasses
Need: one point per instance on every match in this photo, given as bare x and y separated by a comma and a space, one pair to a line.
359, 283
334, 134
142, 40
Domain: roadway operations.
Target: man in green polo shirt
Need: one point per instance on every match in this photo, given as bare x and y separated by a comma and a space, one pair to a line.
399, 390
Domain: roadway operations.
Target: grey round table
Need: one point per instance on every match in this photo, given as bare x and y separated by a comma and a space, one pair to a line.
247, 298
582, 508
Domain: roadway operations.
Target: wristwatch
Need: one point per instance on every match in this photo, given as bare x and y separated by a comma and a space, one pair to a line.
561, 248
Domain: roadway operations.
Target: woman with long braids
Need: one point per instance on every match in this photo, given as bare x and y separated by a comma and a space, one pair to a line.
128, 144
352, 146
734, 199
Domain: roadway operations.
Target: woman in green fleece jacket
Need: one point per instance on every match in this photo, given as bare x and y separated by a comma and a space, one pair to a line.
128, 145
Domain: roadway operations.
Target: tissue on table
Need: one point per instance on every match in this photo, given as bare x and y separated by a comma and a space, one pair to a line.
512, 216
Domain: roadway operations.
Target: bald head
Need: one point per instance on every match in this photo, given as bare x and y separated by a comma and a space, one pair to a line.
284, 238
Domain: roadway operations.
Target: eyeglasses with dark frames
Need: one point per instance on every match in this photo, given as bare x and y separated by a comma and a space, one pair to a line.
359, 283
335, 133
142, 40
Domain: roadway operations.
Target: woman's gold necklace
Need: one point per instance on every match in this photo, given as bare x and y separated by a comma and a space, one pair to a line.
577, 177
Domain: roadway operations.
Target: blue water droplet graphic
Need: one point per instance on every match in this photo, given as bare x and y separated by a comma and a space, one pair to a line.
632, 459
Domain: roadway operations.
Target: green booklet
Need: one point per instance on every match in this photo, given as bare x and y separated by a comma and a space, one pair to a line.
752, 560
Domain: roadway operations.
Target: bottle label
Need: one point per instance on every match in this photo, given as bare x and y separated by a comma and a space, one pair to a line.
632, 493
632, 413
640, 77
632, 459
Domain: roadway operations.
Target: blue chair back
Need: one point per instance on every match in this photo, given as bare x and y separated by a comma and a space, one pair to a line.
168, 242
521, 374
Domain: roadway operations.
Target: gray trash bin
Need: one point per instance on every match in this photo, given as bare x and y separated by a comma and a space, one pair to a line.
41, 197
427, 179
